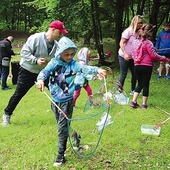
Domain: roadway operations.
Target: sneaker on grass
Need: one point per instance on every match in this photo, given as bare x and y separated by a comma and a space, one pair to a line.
5, 120
134, 105
59, 160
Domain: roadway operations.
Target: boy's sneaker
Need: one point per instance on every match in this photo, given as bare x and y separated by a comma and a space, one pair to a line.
60, 160
167, 76
5, 120
134, 105
158, 76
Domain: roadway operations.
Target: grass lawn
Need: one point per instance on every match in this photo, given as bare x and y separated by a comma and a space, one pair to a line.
30, 142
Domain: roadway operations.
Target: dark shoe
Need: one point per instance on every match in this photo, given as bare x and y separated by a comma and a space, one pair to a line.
167, 76
134, 105
158, 76
6, 88
94, 104
144, 106
59, 160
120, 88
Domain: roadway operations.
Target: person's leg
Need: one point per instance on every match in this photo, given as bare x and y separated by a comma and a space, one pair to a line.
88, 89
145, 83
167, 66
138, 88
161, 65
0, 70
5, 73
63, 128
89, 93
25, 81
133, 78
123, 69
76, 95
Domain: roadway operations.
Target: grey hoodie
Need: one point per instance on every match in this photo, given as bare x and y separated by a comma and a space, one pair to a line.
34, 48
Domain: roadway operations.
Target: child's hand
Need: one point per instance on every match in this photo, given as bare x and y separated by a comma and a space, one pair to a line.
40, 85
102, 72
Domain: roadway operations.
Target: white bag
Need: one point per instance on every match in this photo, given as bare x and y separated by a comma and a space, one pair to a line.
5, 61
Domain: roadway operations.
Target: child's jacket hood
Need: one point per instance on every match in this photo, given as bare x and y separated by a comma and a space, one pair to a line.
82, 54
63, 44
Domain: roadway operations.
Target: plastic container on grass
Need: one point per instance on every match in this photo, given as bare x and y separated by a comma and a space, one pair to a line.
150, 129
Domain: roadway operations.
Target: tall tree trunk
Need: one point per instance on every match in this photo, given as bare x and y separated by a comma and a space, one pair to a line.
97, 31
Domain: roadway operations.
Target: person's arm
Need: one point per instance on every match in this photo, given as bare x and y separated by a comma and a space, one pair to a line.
122, 44
153, 54
44, 74
28, 50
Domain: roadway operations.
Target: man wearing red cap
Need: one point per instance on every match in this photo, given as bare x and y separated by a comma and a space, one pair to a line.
35, 54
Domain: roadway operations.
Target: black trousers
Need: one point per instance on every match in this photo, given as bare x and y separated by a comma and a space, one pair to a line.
143, 74
25, 81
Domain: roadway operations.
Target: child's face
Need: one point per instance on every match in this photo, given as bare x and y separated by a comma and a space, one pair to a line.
166, 28
67, 55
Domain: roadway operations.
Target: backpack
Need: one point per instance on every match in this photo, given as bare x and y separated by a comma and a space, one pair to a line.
137, 46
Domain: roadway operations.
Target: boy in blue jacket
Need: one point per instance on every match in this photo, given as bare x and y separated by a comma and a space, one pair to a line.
62, 70
163, 48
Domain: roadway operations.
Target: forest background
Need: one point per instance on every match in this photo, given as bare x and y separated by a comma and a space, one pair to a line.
92, 20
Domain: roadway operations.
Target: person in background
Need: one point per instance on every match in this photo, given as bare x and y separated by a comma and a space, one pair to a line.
163, 48
143, 54
124, 53
5, 59
83, 56
62, 70
35, 54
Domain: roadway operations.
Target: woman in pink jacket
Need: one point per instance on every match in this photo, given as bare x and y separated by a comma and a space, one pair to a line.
143, 54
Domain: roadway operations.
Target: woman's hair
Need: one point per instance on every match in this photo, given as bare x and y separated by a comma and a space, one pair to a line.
135, 22
146, 31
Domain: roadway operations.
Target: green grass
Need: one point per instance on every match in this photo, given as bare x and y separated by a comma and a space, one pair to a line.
30, 142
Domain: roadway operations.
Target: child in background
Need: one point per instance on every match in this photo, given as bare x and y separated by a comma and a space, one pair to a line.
163, 48
83, 56
143, 54
62, 70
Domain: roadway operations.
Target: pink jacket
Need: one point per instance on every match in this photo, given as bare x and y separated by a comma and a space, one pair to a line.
145, 53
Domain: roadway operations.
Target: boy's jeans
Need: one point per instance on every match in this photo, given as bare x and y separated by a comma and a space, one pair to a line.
63, 123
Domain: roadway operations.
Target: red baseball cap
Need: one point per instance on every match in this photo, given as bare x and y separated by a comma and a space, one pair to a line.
58, 25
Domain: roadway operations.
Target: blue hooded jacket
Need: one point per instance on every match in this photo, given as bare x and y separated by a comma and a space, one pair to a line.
62, 74
163, 42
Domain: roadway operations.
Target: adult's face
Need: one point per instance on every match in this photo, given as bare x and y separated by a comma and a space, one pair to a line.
139, 24
56, 34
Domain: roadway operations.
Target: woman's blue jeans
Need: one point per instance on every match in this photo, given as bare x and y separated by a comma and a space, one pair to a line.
124, 66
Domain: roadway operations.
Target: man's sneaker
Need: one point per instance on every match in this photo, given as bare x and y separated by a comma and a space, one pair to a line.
134, 105
5, 120
60, 160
